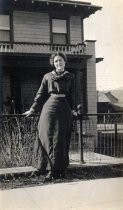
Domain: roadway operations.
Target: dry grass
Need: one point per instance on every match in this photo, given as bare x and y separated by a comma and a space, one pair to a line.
17, 139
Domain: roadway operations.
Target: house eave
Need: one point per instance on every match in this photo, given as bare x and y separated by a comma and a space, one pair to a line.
99, 59
77, 58
84, 9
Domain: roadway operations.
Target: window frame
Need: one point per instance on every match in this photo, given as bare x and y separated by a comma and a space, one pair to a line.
10, 15
67, 29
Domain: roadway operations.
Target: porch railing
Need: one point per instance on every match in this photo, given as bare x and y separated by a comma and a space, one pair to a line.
18, 47
96, 139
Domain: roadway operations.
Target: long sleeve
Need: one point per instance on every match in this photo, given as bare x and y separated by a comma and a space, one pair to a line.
71, 95
40, 96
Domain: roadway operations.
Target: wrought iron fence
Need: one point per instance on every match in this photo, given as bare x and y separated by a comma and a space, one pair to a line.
100, 139
96, 138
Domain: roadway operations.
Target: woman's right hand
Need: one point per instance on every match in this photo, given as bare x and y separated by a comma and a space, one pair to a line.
28, 113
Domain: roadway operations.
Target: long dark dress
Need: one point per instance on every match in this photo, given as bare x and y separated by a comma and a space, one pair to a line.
54, 127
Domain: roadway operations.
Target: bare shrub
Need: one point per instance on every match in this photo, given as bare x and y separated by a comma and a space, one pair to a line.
17, 136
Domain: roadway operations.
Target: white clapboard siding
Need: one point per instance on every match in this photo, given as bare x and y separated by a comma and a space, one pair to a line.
31, 27
75, 30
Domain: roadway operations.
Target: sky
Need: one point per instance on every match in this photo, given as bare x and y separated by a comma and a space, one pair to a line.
106, 26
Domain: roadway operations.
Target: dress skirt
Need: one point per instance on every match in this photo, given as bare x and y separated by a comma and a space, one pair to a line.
54, 133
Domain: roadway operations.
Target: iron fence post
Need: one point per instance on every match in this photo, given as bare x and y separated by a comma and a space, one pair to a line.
115, 140
80, 117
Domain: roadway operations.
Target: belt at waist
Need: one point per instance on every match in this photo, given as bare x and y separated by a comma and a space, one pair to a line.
57, 95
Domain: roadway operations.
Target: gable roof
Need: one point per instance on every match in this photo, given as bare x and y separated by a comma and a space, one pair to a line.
111, 97
102, 97
118, 93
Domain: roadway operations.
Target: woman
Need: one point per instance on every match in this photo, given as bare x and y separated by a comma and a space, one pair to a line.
54, 127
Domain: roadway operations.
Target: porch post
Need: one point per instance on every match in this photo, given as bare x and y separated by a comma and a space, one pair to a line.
91, 90
1, 90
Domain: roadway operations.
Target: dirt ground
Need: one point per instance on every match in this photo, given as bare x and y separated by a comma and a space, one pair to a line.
75, 174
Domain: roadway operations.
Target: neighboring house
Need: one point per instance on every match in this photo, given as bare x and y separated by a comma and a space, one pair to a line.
109, 102
118, 93
103, 103
29, 32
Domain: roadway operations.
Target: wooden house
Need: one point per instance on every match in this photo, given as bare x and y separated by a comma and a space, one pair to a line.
110, 101
30, 30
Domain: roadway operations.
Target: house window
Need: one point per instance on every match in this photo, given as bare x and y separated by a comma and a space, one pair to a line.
4, 28
59, 31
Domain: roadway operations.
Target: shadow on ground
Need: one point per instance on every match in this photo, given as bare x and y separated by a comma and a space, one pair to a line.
73, 174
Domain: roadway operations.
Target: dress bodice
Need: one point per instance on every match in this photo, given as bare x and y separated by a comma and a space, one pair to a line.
58, 84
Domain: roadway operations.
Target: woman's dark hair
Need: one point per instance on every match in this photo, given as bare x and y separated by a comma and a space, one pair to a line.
57, 54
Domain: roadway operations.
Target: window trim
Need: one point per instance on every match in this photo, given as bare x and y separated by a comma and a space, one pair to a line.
67, 25
11, 37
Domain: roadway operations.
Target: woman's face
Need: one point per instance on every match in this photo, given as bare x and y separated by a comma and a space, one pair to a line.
59, 63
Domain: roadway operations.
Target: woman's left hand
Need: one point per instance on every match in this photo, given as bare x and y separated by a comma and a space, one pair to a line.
74, 113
